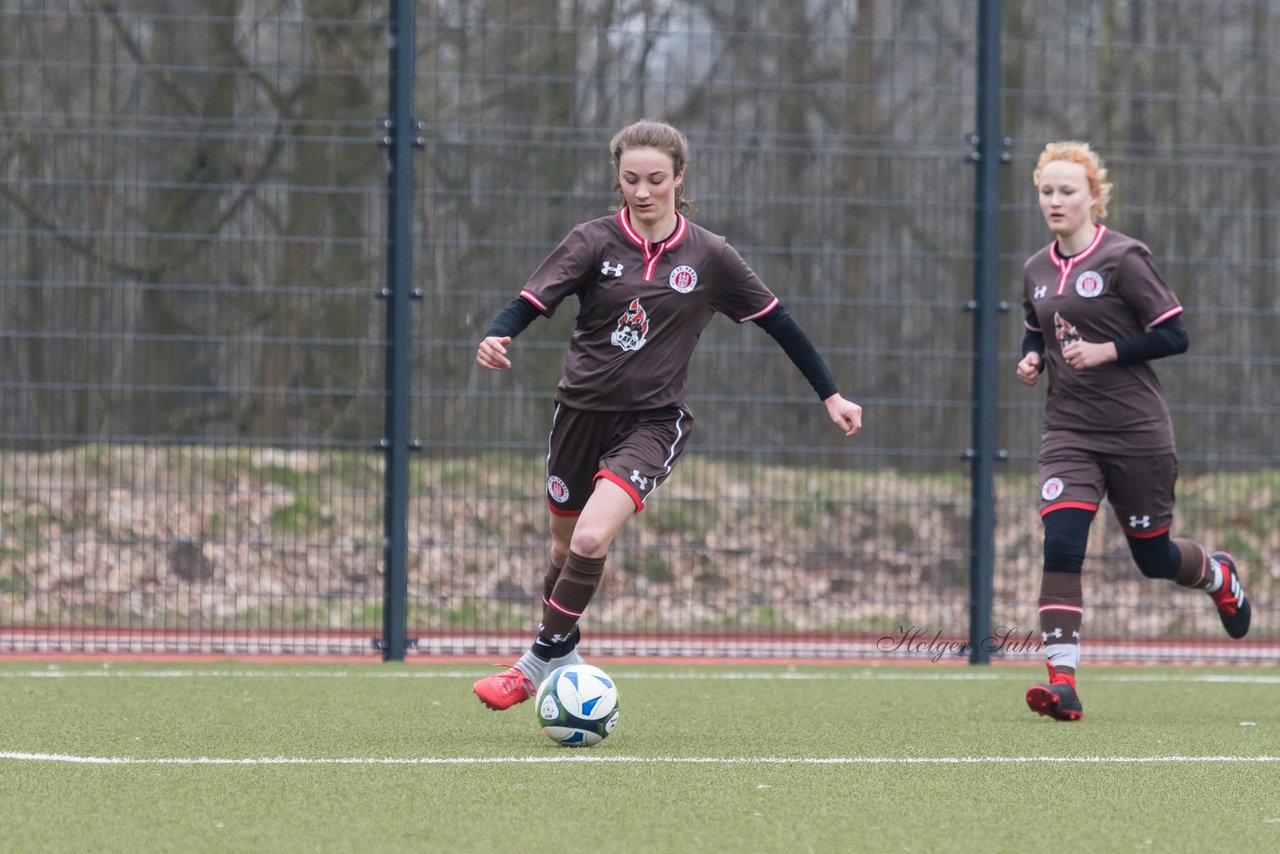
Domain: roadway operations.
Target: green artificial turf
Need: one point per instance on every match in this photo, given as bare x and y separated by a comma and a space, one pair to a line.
379, 757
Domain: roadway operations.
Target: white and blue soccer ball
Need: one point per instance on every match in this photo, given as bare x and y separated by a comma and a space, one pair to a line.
577, 705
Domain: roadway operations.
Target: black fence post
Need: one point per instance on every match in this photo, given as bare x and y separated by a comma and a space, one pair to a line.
400, 138
988, 156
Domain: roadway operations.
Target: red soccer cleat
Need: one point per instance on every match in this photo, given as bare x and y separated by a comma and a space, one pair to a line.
1233, 608
504, 690
1058, 699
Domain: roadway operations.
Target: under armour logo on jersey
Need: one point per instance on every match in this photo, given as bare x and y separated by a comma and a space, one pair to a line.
1039, 292
1139, 521
607, 269
638, 480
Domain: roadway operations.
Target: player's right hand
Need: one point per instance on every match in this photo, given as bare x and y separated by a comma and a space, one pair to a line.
1029, 368
492, 353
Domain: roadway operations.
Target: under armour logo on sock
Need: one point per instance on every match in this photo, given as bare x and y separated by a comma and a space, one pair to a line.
1056, 633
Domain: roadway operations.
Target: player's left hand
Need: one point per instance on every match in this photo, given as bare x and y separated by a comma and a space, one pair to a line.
1084, 354
845, 414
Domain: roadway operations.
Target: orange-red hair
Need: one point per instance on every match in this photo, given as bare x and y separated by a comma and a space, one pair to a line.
1094, 170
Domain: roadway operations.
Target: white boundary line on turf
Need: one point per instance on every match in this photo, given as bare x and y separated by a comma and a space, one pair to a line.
640, 760
694, 674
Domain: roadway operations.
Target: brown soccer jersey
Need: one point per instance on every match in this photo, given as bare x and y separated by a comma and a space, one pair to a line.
1108, 292
642, 308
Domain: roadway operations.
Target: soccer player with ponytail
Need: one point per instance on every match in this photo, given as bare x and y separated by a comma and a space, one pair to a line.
647, 281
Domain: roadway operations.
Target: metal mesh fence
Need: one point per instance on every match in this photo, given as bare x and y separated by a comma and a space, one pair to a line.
193, 220
192, 229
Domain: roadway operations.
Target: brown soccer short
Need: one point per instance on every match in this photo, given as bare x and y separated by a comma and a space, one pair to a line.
635, 450
1140, 489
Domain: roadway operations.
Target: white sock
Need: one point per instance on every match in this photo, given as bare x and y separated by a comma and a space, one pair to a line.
533, 667
1215, 569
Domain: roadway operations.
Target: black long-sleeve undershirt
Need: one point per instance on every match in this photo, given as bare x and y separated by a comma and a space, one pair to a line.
783, 328
516, 316
513, 318
1167, 339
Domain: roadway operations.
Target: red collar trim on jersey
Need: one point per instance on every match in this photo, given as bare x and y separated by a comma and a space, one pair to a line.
652, 252
1066, 265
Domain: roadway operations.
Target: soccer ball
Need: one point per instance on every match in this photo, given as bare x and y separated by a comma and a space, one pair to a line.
577, 705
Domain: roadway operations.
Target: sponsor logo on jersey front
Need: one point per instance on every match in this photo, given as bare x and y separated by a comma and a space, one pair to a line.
1064, 330
632, 328
1039, 291
683, 279
611, 269
1052, 489
557, 489
1089, 284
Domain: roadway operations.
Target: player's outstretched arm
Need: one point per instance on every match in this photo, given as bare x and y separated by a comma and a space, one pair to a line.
506, 324
492, 353
845, 414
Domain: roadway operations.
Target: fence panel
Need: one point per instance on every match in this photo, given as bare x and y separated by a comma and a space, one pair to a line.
192, 215
828, 145
192, 224
1175, 95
